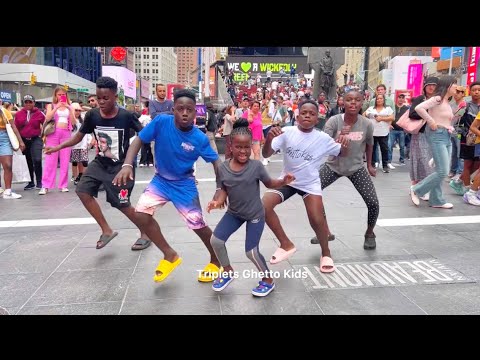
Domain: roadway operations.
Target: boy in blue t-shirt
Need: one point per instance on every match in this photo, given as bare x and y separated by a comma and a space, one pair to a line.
178, 144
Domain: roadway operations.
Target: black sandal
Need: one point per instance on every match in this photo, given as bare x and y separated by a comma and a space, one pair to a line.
141, 244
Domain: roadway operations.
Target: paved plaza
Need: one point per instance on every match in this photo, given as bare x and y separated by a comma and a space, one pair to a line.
426, 260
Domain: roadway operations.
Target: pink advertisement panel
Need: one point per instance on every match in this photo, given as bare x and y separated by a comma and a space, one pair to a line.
415, 78
126, 79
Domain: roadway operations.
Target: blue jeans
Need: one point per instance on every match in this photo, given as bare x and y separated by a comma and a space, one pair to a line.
441, 146
457, 163
392, 137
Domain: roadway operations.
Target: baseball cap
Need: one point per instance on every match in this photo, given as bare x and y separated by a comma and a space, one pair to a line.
28, 98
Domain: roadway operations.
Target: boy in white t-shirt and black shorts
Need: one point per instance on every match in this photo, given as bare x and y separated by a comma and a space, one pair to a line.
304, 151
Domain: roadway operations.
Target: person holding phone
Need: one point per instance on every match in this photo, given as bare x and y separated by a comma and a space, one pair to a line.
61, 111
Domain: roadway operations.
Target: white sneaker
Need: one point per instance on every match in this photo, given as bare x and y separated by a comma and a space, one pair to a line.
414, 196
11, 195
444, 206
142, 165
43, 191
64, 190
265, 162
425, 197
471, 197
390, 166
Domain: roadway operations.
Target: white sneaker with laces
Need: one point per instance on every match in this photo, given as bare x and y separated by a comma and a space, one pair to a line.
11, 195
43, 191
390, 166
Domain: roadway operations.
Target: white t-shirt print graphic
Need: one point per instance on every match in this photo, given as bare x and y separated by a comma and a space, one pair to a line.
109, 142
303, 154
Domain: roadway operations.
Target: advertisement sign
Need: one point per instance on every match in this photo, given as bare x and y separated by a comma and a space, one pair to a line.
242, 65
171, 88
201, 110
18, 55
221, 53
144, 88
212, 82
415, 78
408, 96
126, 79
116, 56
436, 52
445, 53
6, 96
472, 65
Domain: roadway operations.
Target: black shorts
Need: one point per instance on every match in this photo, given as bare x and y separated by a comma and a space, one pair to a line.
468, 153
286, 192
97, 174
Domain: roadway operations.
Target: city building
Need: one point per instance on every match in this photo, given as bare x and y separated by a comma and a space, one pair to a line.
187, 63
126, 59
38, 70
156, 64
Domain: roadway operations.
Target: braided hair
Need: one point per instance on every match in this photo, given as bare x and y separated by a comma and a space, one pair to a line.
240, 127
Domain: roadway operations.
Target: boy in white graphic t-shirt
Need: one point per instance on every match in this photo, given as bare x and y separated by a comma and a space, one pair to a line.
304, 151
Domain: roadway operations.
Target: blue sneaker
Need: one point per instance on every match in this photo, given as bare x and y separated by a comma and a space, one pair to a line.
221, 282
458, 187
263, 289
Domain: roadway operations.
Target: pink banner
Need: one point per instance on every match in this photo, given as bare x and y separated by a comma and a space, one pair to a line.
415, 78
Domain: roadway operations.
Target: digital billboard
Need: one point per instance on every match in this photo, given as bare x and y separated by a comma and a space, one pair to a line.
126, 79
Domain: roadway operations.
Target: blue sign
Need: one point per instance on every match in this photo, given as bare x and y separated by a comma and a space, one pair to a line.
6, 96
445, 52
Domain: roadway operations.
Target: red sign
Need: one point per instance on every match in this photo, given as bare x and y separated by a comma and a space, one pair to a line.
472, 65
171, 88
436, 52
118, 53
408, 96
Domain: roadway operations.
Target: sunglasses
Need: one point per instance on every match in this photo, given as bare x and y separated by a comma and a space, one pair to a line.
460, 92
78, 110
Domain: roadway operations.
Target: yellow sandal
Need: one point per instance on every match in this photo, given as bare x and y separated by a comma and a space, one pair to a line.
209, 273
165, 267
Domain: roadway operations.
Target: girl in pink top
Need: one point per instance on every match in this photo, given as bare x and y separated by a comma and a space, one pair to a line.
254, 118
64, 116
439, 127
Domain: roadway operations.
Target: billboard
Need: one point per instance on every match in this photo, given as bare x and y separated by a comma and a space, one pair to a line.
415, 77
171, 88
126, 79
436, 52
116, 55
445, 53
144, 88
242, 65
18, 55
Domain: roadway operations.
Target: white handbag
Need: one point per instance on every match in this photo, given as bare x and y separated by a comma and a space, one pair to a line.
11, 134
20, 171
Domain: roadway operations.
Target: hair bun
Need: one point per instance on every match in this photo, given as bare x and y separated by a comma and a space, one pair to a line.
240, 123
